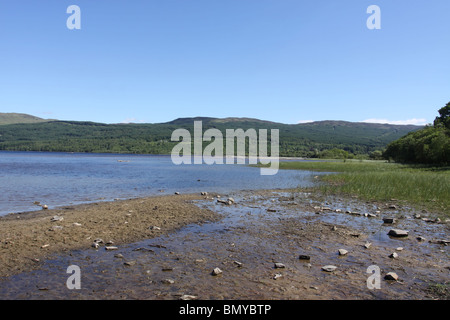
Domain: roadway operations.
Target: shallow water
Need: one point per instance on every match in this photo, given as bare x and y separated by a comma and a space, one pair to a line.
58, 179
250, 234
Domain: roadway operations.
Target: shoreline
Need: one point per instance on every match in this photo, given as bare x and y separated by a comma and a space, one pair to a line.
29, 238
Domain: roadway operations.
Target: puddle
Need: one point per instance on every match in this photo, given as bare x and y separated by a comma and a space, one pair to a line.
261, 228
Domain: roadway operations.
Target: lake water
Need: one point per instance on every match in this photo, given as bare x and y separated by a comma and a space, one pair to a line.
59, 179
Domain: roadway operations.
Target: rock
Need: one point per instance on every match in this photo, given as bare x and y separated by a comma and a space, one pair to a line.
391, 276
304, 257
338, 210
111, 248
334, 228
118, 255
168, 281
279, 265
44, 206
154, 228
389, 220
342, 252
55, 228
37, 203
98, 240
398, 233
417, 216
329, 268
231, 199
276, 276
188, 297
129, 263
372, 215
399, 249
367, 245
177, 193
392, 206
204, 193
95, 245
393, 255
56, 218
239, 264
216, 272
420, 238
271, 210
76, 224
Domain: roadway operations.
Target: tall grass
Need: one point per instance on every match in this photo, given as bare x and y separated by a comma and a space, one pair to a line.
423, 187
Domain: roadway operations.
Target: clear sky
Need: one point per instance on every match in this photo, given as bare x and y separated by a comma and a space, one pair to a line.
281, 60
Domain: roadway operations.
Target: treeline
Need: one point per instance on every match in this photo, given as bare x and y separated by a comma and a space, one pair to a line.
430, 145
312, 140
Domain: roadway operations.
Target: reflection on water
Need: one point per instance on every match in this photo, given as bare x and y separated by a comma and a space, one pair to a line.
58, 179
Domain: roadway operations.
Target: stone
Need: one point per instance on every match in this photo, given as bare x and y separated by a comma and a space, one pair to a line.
168, 281
56, 218
304, 257
154, 228
111, 248
334, 228
204, 193
231, 199
389, 220
188, 297
391, 276
129, 263
76, 224
342, 252
216, 272
420, 238
367, 245
276, 276
44, 206
279, 265
118, 255
398, 233
393, 255
95, 245
329, 268
239, 264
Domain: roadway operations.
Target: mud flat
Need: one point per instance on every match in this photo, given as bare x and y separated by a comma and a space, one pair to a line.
273, 244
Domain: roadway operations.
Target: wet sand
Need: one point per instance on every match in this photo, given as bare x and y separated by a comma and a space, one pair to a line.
247, 240
26, 239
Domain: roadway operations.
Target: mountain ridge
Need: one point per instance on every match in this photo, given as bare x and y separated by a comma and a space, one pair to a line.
300, 140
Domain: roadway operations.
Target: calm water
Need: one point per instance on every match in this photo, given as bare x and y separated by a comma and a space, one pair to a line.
58, 179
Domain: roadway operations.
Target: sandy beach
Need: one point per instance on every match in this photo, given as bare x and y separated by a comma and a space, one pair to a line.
26, 239
268, 244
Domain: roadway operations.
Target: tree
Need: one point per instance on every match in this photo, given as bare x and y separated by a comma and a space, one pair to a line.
444, 117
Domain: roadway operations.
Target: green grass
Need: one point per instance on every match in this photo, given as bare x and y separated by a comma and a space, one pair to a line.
422, 187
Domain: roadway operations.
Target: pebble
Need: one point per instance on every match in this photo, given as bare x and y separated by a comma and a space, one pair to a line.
188, 297
154, 228
342, 252
304, 257
391, 276
393, 255
129, 263
110, 248
45, 207
216, 272
276, 276
56, 218
389, 220
329, 268
168, 281
279, 265
420, 238
367, 245
398, 233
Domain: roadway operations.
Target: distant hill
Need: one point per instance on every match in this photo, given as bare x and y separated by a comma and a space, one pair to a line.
13, 118
300, 140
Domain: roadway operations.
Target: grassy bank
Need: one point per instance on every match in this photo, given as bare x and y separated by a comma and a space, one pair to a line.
423, 187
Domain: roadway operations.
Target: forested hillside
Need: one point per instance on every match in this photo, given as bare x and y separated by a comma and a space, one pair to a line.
301, 140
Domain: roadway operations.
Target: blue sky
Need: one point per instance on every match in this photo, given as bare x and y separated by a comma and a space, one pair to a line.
281, 60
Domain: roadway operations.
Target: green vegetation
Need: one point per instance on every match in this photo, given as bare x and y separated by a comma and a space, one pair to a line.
421, 186
430, 145
11, 118
299, 140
